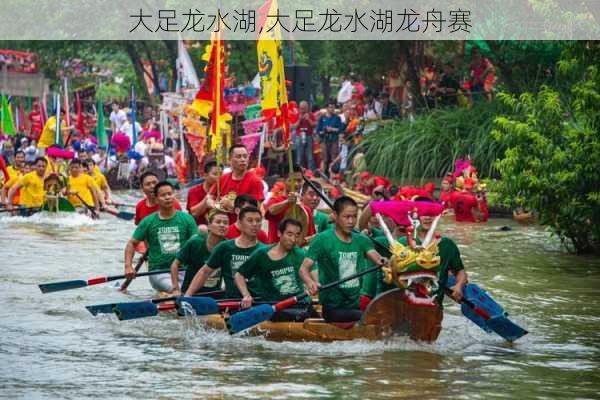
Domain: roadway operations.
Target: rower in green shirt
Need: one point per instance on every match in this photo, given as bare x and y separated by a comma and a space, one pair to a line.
340, 252
165, 232
275, 273
196, 251
229, 255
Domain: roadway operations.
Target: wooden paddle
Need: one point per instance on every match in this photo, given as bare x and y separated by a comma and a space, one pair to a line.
20, 209
76, 284
138, 265
485, 317
125, 215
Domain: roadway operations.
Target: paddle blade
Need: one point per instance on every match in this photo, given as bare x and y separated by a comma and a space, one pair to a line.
506, 328
101, 308
243, 320
197, 305
127, 216
135, 310
66, 285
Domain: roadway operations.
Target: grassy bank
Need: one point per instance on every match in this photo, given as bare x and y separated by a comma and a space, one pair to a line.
429, 146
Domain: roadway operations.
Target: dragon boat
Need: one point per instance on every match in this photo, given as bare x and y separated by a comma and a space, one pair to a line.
392, 313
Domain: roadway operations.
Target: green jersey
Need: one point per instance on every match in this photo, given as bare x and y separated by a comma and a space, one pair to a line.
165, 237
274, 280
374, 284
229, 257
321, 220
194, 254
338, 259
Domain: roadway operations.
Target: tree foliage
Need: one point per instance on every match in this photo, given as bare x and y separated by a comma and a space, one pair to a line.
552, 158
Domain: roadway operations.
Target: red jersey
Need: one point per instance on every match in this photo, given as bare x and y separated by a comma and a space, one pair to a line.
275, 219
464, 203
250, 184
142, 210
195, 196
233, 232
446, 199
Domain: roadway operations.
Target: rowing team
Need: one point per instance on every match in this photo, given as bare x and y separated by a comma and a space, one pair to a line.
26, 186
250, 269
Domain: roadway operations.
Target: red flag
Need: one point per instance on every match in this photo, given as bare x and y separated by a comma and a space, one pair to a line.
79, 126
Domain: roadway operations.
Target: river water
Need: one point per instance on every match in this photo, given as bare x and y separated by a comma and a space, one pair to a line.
52, 348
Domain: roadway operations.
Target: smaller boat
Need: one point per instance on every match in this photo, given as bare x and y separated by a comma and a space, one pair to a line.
392, 313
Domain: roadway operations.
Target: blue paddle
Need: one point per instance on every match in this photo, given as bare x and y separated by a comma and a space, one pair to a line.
142, 309
479, 307
107, 308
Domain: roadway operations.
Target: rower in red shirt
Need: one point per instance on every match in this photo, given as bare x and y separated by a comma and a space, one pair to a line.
198, 200
277, 206
243, 201
237, 182
148, 204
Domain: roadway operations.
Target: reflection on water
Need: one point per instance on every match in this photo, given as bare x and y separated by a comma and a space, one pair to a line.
52, 347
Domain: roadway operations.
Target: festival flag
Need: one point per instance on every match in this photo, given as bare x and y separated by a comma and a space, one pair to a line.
22, 118
133, 132
43, 109
186, 74
8, 127
79, 125
66, 106
100, 131
209, 101
58, 136
273, 95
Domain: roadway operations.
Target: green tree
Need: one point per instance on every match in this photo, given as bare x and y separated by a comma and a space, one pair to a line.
552, 155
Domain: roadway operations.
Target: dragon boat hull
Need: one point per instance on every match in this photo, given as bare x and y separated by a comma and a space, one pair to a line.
390, 314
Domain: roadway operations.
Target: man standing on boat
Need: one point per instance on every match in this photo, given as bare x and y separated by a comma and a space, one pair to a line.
32, 192
164, 232
238, 181
196, 251
275, 272
339, 253
148, 204
231, 254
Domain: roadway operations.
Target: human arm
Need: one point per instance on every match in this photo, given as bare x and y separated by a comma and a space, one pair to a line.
203, 206
199, 280
11, 194
175, 277
281, 206
365, 216
461, 281
312, 286
240, 282
129, 253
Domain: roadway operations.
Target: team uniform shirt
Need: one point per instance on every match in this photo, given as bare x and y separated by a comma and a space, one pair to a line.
32, 190
229, 258
165, 237
373, 282
233, 232
337, 260
274, 280
463, 204
193, 254
446, 199
195, 197
321, 221
275, 219
83, 185
100, 180
250, 184
12, 172
142, 210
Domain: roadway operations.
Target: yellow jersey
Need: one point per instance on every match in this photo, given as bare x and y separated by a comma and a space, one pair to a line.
12, 172
83, 185
32, 190
100, 180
